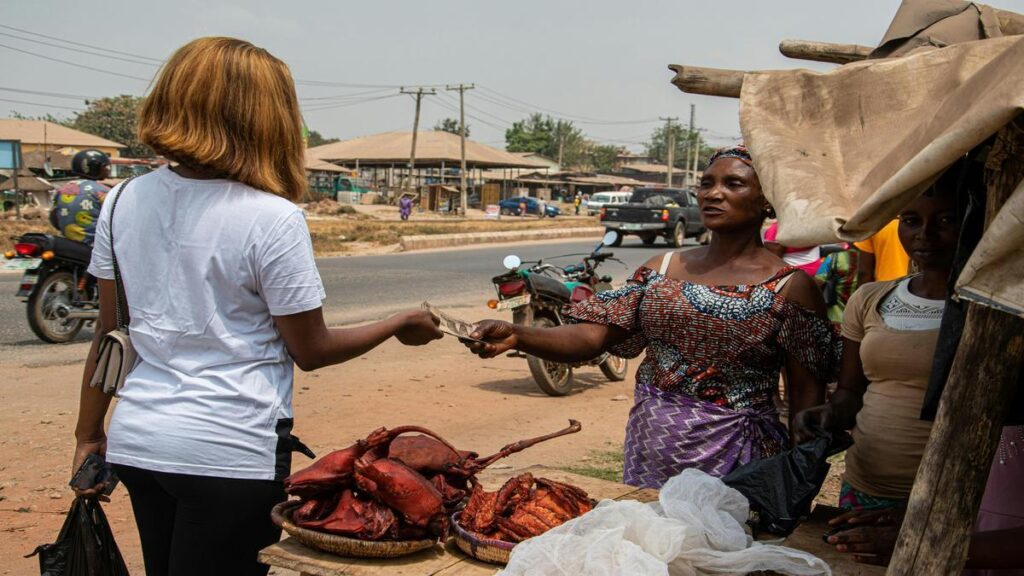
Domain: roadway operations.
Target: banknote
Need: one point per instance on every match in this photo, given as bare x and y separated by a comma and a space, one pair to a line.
452, 325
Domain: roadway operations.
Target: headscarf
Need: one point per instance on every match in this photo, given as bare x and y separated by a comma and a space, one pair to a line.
738, 152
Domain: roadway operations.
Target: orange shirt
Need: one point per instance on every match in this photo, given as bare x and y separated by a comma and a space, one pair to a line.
891, 260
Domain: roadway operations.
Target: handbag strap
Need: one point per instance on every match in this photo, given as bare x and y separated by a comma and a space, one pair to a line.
120, 299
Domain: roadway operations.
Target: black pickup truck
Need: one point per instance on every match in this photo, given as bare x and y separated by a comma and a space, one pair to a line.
653, 212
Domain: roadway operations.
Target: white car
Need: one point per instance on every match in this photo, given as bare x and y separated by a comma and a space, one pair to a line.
604, 199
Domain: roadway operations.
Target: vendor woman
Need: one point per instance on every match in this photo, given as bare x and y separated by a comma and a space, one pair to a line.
718, 324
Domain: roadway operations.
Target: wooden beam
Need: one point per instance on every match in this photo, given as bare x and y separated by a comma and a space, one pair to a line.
708, 81
985, 374
824, 51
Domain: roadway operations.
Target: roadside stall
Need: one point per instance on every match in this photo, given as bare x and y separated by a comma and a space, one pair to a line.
840, 154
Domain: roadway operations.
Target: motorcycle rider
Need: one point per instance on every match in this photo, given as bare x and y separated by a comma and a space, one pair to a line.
78, 202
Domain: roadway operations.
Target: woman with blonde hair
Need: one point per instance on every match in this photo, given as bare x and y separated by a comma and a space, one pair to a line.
224, 297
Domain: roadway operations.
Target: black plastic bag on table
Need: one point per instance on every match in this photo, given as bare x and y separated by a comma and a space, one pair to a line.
782, 488
84, 547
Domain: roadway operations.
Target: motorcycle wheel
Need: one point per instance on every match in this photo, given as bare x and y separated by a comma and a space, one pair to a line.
614, 368
554, 378
53, 289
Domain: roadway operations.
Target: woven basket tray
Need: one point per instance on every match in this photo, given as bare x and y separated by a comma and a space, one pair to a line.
340, 545
479, 547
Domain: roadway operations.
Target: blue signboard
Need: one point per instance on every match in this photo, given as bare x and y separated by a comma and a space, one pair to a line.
10, 154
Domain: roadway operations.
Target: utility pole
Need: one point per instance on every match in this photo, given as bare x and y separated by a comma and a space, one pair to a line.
696, 155
692, 178
670, 141
419, 92
462, 133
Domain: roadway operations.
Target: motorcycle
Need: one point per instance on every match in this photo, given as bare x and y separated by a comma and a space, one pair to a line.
536, 296
60, 297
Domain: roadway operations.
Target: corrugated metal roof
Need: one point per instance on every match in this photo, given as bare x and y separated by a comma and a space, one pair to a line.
40, 131
432, 148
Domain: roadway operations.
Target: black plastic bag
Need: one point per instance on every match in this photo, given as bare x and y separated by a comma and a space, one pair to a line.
781, 488
84, 547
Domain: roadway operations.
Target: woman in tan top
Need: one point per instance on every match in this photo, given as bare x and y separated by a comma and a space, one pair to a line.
889, 334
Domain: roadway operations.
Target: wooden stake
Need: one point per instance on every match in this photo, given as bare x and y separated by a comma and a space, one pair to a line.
985, 374
708, 81
824, 51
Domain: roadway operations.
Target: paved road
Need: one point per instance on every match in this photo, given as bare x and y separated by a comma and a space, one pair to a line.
367, 287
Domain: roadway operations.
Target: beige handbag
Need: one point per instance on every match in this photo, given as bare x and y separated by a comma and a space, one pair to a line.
116, 356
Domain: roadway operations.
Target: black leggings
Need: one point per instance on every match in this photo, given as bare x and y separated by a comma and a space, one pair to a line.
199, 525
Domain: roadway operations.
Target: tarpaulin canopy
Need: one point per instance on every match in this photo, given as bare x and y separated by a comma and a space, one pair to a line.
840, 154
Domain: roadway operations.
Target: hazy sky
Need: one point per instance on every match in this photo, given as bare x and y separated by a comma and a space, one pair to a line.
598, 62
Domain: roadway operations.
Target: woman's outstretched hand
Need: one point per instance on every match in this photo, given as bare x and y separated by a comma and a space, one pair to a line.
499, 337
418, 327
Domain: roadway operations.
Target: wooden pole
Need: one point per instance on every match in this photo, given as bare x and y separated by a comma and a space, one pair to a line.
708, 81
985, 374
419, 92
824, 51
462, 136
670, 142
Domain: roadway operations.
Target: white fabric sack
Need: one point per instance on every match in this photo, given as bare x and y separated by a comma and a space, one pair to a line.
696, 528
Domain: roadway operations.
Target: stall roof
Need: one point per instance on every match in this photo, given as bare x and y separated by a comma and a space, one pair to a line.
432, 148
27, 181
52, 134
314, 164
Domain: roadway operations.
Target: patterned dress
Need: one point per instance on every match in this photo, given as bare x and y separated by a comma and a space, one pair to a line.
704, 392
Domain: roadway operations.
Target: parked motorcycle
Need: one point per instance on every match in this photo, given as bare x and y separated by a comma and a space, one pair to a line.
536, 296
60, 297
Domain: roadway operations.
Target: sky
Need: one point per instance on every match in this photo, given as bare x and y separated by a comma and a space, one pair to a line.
600, 63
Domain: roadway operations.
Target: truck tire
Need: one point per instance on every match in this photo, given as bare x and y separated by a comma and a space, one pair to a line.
618, 238
554, 378
678, 235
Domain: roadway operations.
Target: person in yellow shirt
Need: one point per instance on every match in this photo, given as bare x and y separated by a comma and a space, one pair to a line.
882, 256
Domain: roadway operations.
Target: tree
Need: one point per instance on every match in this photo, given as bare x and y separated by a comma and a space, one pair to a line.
114, 118
657, 147
544, 135
46, 118
603, 156
314, 138
450, 125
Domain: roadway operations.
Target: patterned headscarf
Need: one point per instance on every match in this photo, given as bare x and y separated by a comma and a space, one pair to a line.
738, 152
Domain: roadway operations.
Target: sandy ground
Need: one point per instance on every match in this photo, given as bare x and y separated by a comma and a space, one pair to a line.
476, 404
479, 405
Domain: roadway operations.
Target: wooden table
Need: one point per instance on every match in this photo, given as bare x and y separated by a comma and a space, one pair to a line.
448, 560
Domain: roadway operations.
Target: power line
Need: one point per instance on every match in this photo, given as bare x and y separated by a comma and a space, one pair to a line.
40, 105
158, 61
347, 104
574, 117
76, 65
81, 51
353, 95
50, 94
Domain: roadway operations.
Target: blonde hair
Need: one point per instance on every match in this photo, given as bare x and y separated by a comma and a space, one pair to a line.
226, 105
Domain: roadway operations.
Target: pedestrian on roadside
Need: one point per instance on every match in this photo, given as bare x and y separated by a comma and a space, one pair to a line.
577, 201
405, 207
224, 298
718, 324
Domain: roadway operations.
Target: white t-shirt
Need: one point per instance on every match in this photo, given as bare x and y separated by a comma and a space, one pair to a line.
205, 264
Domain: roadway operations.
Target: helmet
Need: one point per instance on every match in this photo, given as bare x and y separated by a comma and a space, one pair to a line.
90, 163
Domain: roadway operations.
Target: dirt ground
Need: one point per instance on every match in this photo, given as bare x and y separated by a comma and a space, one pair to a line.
479, 405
